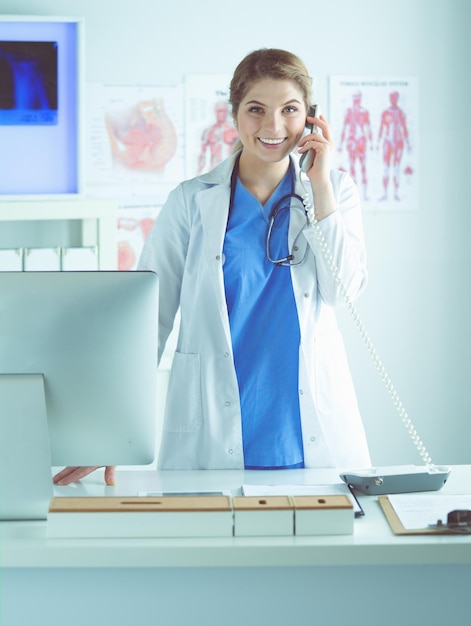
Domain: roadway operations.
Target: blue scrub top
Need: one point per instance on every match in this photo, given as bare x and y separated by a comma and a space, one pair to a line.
264, 328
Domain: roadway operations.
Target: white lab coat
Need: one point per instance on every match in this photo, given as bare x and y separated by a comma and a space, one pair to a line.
202, 423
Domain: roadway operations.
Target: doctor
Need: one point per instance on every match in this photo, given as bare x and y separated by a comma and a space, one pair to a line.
260, 377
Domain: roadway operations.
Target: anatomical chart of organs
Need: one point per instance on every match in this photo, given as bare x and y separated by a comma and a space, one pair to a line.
135, 141
209, 129
376, 124
134, 225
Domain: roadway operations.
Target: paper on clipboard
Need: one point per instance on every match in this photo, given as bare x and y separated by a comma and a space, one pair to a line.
410, 513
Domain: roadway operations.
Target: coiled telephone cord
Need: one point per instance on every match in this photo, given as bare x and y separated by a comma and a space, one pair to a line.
384, 376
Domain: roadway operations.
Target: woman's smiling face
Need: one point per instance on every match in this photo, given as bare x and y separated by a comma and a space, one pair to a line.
271, 119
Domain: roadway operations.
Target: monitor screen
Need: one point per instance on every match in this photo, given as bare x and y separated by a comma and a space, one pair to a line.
93, 338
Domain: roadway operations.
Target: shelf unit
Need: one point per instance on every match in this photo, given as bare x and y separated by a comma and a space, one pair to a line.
98, 221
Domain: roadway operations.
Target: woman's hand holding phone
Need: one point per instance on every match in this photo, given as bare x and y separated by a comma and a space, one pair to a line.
316, 161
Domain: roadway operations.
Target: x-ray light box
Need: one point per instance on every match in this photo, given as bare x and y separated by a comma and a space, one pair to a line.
41, 87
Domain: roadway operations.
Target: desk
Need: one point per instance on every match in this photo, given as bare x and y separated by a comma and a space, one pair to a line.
370, 577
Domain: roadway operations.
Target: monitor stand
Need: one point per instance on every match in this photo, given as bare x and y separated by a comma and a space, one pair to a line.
25, 458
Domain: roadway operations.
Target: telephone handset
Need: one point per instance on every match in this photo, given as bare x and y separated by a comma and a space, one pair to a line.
389, 479
307, 158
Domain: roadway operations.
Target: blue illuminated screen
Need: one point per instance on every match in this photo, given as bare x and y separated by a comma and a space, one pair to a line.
40, 101
28, 82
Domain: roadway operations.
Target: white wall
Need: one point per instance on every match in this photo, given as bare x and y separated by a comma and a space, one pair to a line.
415, 306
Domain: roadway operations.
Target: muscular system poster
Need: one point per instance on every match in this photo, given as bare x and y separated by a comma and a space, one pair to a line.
375, 121
210, 133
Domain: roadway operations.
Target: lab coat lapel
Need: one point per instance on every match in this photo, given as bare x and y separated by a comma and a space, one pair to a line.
213, 204
297, 223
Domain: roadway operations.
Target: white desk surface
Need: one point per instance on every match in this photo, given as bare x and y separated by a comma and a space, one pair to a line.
25, 544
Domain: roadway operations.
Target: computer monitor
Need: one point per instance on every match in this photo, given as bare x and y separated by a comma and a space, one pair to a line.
93, 338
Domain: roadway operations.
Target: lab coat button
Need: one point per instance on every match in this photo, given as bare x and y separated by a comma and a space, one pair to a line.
313, 438
226, 354
306, 295
231, 451
227, 403
301, 392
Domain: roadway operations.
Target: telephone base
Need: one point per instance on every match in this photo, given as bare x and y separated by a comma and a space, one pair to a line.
377, 481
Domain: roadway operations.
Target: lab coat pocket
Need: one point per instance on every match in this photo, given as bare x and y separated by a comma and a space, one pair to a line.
183, 412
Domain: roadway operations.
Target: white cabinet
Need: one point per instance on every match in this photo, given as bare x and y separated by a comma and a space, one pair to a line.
97, 219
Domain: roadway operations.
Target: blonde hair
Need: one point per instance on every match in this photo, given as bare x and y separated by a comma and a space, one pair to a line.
268, 63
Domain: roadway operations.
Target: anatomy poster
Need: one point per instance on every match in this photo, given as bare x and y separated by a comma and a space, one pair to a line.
135, 141
210, 133
375, 121
134, 226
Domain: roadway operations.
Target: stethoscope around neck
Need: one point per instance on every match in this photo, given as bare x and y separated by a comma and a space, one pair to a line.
284, 203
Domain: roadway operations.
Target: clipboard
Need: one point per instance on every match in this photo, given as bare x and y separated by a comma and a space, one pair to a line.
398, 528
396, 524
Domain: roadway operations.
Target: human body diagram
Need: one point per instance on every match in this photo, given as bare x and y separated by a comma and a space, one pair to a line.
394, 135
376, 134
218, 139
357, 132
